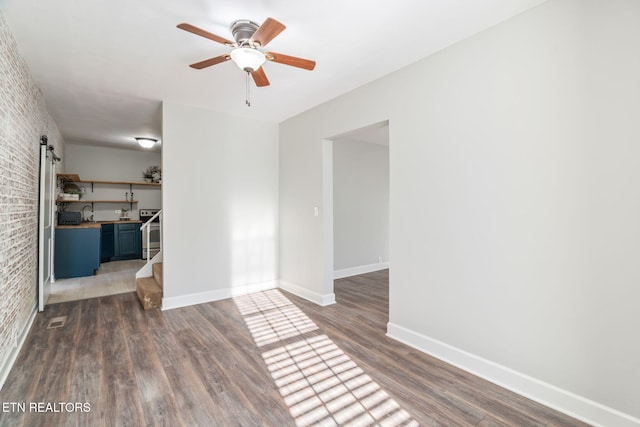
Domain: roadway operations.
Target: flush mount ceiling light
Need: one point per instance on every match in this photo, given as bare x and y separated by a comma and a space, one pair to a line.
248, 59
146, 142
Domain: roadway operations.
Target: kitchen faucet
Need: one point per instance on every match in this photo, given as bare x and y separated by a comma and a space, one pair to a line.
84, 217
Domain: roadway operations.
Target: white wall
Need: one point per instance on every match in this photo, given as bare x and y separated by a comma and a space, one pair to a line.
514, 203
113, 164
220, 194
360, 205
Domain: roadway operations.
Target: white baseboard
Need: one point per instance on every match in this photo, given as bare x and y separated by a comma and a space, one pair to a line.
216, 295
362, 269
8, 364
220, 294
549, 395
322, 300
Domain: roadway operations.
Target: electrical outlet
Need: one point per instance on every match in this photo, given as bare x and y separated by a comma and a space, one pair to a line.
118, 211
379, 260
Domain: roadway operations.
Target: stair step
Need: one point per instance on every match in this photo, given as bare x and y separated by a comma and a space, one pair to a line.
149, 292
157, 272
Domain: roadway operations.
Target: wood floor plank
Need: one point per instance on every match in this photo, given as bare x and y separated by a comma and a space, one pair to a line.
202, 365
158, 399
355, 339
220, 377
121, 404
240, 359
87, 369
54, 375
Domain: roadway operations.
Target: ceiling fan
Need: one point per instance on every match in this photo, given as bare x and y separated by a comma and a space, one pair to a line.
250, 39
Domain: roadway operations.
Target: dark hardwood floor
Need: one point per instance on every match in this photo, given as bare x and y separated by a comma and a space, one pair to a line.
268, 359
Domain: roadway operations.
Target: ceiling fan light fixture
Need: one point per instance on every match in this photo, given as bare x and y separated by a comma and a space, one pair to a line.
146, 142
247, 59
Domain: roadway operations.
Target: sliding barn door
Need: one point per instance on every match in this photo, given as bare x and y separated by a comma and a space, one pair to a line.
46, 225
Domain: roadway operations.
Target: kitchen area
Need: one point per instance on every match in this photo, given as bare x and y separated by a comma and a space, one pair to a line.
103, 198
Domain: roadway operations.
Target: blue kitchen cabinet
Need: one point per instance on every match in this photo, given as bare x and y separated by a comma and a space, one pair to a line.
127, 242
107, 242
120, 241
77, 252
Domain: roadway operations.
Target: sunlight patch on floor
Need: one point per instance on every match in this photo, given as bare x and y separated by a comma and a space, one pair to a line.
320, 384
271, 317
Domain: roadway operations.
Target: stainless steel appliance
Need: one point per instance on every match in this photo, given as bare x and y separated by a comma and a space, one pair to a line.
154, 232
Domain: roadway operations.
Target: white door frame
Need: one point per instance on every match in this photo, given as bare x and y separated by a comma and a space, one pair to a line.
327, 220
328, 272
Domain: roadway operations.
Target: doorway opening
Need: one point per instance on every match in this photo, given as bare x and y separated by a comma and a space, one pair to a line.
356, 191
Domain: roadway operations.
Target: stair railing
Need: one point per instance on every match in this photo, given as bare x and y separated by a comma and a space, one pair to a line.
148, 229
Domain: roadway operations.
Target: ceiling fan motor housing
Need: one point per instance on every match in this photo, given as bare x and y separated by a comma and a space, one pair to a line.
243, 30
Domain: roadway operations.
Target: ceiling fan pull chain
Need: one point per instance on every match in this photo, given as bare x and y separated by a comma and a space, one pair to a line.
247, 93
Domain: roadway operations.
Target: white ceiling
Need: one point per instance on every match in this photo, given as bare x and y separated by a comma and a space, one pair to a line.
104, 66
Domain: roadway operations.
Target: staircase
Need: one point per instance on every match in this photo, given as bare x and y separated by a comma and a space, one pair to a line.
149, 289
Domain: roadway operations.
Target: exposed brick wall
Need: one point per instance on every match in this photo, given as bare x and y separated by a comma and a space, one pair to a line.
23, 119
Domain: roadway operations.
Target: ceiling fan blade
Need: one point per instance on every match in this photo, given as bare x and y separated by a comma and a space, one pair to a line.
206, 34
267, 32
211, 61
293, 61
260, 77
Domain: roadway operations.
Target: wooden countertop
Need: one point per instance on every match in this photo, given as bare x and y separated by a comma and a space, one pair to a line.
132, 221
98, 224
83, 225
